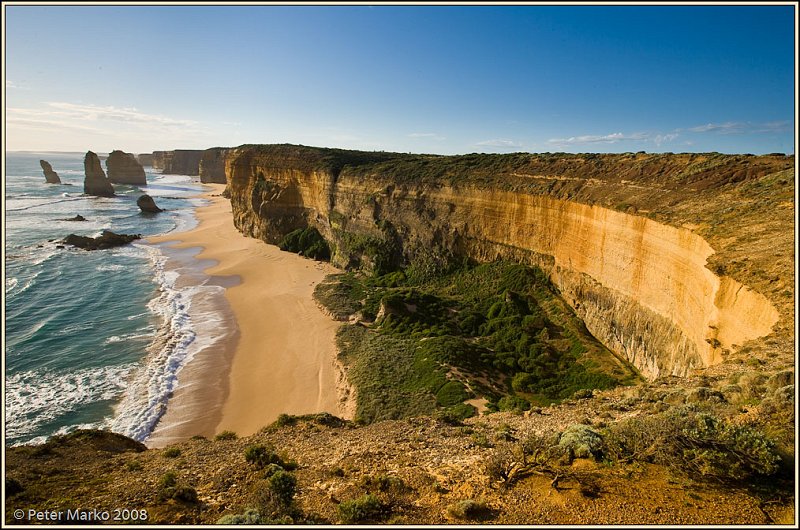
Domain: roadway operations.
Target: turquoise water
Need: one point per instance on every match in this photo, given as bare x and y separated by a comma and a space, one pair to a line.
93, 339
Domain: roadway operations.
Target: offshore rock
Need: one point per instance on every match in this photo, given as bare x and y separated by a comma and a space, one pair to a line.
78, 217
95, 182
107, 239
124, 169
50, 176
147, 204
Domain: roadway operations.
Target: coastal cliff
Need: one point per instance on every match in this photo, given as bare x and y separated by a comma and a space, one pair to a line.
629, 239
212, 165
178, 162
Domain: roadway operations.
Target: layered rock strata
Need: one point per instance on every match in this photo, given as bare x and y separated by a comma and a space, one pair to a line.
95, 182
642, 287
50, 176
123, 168
178, 162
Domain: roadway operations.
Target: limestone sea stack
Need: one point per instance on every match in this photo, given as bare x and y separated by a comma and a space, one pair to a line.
123, 168
95, 182
147, 205
145, 159
50, 176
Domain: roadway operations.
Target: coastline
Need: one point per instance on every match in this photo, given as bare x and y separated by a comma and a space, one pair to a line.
282, 359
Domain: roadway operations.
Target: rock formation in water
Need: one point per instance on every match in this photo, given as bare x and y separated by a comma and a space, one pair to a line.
107, 239
145, 159
50, 176
212, 165
671, 289
78, 217
147, 204
95, 182
124, 169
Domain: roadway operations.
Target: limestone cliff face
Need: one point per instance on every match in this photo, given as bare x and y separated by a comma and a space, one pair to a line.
182, 162
123, 168
145, 159
212, 165
50, 176
95, 182
642, 287
158, 159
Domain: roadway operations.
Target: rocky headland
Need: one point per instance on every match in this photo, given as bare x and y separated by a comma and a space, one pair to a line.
123, 168
145, 159
95, 183
50, 176
178, 162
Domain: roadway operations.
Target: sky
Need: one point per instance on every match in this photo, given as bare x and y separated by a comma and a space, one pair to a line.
421, 79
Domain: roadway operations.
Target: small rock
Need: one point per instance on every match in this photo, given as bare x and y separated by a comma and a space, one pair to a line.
147, 204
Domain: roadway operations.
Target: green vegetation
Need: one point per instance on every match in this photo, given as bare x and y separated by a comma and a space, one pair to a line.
366, 509
468, 510
307, 242
170, 488
226, 435
172, 452
434, 341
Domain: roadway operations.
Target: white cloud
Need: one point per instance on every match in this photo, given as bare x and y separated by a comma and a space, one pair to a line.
729, 127
432, 136
70, 125
499, 143
664, 138
598, 139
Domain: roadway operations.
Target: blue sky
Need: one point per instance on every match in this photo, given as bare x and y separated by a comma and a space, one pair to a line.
424, 79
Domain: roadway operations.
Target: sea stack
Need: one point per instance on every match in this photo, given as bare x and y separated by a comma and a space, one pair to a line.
95, 182
147, 205
123, 168
50, 176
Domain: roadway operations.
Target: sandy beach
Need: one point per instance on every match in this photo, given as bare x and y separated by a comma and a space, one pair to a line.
282, 360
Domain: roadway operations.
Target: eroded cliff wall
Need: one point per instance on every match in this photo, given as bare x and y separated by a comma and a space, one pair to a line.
642, 287
178, 162
212, 165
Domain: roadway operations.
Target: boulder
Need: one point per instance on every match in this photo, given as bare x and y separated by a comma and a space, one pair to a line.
50, 176
95, 182
123, 168
147, 204
107, 239
78, 217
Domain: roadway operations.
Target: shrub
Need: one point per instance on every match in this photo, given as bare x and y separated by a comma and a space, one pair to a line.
452, 393
691, 442
284, 485
172, 452
226, 435
134, 465
513, 404
367, 508
261, 456
307, 242
580, 441
169, 488
248, 517
467, 509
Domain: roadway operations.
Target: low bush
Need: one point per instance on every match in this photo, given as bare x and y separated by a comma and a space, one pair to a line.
365, 509
170, 488
172, 452
261, 456
468, 509
226, 435
284, 485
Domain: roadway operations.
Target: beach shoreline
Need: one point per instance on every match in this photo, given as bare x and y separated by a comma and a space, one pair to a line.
281, 357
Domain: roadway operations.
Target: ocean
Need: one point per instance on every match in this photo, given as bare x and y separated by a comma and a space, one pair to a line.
95, 339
